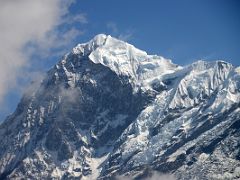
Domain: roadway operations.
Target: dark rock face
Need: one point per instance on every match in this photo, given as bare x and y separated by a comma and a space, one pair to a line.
91, 120
59, 114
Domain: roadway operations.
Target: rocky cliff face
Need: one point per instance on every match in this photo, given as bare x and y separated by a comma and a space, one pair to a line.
108, 109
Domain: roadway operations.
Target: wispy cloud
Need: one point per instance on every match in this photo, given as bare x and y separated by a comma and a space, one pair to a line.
78, 18
123, 35
32, 27
54, 43
154, 175
112, 26
159, 176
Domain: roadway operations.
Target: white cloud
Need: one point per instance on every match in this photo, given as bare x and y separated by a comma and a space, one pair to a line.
54, 40
35, 24
79, 18
159, 176
112, 26
123, 35
153, 176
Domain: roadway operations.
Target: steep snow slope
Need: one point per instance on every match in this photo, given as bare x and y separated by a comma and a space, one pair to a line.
109, 109
124, 59
200, 104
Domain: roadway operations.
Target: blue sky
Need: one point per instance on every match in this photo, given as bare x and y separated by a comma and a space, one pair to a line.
183, 31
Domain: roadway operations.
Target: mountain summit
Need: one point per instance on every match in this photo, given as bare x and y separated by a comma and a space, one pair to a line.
125, 60
109, 110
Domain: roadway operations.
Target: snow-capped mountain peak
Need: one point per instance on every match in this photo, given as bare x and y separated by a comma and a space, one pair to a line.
108, 109
126, 60
86, 48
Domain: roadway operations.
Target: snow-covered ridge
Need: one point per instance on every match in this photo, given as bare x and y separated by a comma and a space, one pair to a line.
86, 122
88, 47
124, 59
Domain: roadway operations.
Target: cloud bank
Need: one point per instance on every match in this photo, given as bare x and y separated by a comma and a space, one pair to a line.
30, 27
154, 175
